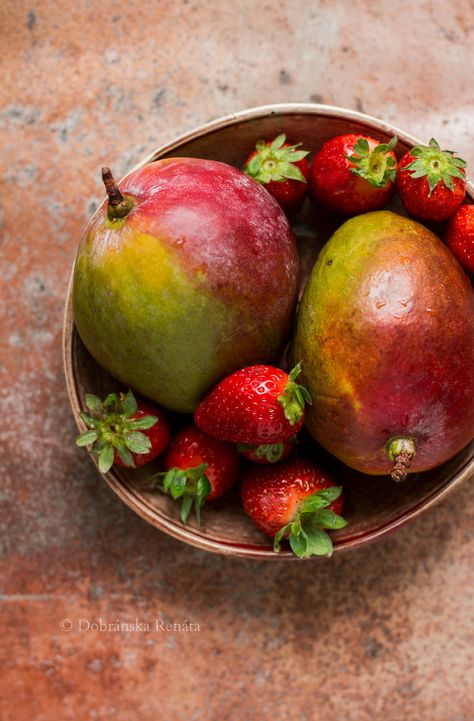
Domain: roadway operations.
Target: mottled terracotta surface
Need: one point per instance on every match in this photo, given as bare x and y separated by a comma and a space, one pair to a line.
383, 633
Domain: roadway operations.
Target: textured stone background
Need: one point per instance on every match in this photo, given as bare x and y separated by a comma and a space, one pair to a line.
382, 633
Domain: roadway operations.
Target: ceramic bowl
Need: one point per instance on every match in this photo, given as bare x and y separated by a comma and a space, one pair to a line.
375, 506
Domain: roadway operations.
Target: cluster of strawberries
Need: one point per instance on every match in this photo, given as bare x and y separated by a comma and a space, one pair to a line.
255, 412
354, 174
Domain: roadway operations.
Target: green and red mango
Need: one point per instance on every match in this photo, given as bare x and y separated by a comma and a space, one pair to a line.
385, 332
199, 278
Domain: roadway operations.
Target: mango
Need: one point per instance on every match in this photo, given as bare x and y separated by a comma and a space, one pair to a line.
385, 333
187, 272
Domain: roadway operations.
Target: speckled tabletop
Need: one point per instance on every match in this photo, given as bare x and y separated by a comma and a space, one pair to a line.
385, 632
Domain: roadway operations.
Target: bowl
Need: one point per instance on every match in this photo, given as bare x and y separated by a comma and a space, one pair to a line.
375, 506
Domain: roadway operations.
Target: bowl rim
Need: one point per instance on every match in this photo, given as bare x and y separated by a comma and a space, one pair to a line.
127, 493
260, 111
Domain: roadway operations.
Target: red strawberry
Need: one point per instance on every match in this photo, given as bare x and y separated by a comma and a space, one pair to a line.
267, 452
123, 431
460, 236
294, 500
353, 174
431, 182
198, 469
257, 405
282, 169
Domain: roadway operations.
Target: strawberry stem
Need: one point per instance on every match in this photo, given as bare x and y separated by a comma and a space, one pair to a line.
377, 166
294, 397
190, 484
275, 162
111, 427
306, 532
436, 165
271, 452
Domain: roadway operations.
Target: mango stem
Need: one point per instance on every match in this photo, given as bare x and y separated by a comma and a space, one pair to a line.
118, 206
401, 451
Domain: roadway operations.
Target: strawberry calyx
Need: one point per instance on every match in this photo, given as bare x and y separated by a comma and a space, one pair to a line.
111, 427
274, 162
436, 165
377, 166
294, 397
306, 532
271, 452
401, 451
190, 484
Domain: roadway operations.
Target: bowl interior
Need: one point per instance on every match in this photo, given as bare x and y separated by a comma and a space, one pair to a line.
374, 505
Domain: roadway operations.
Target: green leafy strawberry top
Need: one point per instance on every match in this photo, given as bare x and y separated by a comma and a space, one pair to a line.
271, 452
436, 165
294, 397
111, 427
307, 531
377, 166
274, 162
191, 484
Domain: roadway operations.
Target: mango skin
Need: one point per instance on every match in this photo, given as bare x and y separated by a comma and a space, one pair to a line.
385, 331
197, 281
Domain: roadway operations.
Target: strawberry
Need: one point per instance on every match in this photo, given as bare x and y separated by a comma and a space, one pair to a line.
123, 430
198, 469
353, 174
282, 169
267, 452
431, 182
460, 236
258, 405
294, 500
